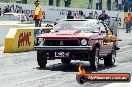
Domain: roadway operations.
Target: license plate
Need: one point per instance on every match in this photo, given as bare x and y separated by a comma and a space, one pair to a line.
61, 54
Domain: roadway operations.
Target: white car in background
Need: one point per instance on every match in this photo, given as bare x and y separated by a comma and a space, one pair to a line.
14, 18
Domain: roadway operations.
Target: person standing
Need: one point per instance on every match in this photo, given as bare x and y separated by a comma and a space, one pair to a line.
90, 4
109, 5
58, 3
125, 5
50, 2
120, 5
100, 4
66, 3
69, 3
128, 21
97, 4
37, 14
130, 5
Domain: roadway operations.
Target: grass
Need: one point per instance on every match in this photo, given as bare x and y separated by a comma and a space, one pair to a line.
75, 3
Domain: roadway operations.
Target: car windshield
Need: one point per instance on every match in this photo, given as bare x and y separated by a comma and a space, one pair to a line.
10, 17
83, 25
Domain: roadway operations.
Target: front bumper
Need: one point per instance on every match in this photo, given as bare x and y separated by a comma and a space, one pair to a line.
65, 48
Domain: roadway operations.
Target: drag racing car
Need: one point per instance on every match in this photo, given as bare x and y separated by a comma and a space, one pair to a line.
77, 39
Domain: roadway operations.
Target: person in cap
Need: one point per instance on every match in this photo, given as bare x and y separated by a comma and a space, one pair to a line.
69, 15
103, 16
90, 16
37, 14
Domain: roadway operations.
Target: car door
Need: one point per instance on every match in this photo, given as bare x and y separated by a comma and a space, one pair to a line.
111, 34
106, 46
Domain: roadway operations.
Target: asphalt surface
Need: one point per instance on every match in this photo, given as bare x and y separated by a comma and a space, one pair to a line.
21, 69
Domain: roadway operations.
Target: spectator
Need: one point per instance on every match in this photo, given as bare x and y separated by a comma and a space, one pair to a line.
128, 21
103, 16
109, 5
66, 3
120, 5
37, 14
125, 5
50, 2
69, 15
69, 3
97, 4
100, 4
58, 3
90, 16
115, 5
0, 12
130, 5
81, 15
90, 4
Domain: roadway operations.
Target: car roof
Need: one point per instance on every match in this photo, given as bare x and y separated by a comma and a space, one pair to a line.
79, 20
89, 20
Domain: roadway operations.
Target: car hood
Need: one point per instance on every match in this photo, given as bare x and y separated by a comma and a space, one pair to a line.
66, 33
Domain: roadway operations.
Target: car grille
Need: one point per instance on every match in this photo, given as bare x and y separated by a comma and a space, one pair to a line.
61, 42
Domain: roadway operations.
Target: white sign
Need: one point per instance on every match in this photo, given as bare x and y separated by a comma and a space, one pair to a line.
53, 14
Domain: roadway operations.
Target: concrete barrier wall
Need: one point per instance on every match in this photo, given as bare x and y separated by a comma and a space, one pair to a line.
22, 39
4, 28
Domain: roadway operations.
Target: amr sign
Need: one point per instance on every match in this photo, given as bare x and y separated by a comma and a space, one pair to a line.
24, 39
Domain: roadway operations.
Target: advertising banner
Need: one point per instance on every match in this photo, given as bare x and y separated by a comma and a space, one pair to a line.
53, 14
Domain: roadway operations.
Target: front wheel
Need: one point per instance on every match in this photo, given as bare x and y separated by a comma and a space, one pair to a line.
110, 59
94, 58
41, 59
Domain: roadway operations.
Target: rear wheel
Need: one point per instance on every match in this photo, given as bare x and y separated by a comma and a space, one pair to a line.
110, 59
94, 58
42, 60
65, 60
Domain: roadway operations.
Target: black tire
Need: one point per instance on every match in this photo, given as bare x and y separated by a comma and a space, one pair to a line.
94, 58
41, 59
65, 60
109, 60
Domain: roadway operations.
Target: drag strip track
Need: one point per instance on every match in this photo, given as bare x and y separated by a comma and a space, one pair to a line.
21, 69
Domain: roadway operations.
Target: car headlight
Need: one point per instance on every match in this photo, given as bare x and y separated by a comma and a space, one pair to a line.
84, 42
